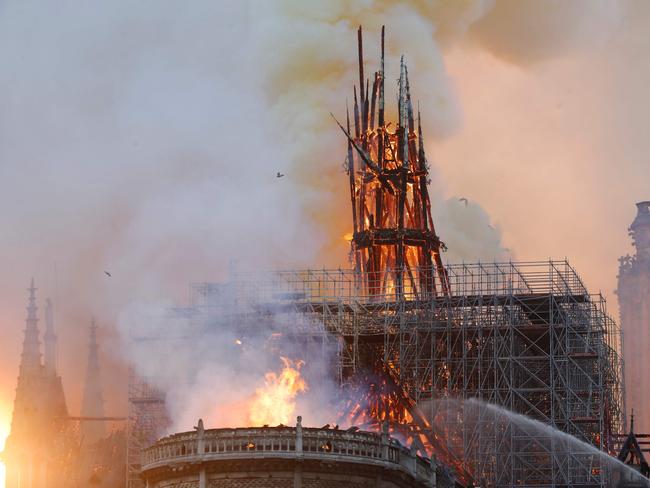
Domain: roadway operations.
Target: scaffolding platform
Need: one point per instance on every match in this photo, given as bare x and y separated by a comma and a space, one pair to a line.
526, 336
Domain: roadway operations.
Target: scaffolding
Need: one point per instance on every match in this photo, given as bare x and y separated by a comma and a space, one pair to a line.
525, 336
146, 423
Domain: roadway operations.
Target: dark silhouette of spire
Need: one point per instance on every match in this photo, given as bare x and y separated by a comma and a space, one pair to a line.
30, 360
50, 340
632, 454
37, 432
93, 399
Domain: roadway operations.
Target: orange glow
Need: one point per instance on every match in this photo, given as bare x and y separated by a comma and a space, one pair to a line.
348, 236
275, 402
380, 400
5, 426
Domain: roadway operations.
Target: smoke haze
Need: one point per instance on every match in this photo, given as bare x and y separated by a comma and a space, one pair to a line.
144, 138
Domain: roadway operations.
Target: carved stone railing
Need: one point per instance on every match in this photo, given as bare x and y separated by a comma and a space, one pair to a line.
351, 446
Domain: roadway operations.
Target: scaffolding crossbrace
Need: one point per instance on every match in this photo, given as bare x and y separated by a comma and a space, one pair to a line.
146, 423
526, 336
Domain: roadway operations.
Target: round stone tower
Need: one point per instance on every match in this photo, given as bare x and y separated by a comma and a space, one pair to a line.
287, 457
634, 305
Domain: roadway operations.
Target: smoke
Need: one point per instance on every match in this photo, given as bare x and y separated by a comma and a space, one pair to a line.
144, 139
311, 77
530, 31
231, 364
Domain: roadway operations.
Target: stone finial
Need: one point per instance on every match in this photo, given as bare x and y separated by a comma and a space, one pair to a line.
199, 428
200, 441
385, 440
299, 435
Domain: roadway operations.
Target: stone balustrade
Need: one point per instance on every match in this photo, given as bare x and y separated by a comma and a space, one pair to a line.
291, 443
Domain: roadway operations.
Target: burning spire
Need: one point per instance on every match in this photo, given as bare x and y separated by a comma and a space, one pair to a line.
93, 398
396, 252
395, 245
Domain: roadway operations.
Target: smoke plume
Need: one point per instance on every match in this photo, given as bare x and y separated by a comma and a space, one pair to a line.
144, 139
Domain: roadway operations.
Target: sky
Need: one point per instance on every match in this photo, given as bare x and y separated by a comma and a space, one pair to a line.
555, 150
144, 139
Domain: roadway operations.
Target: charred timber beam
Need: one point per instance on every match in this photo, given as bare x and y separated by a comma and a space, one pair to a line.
361, 77
351, 174
410, 237
365, 157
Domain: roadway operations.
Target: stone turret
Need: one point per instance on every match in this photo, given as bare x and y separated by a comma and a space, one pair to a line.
93, 398
34, 450
50, 339
30, 359
634, 303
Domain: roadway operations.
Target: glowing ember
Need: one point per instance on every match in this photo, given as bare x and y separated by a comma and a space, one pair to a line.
275, 402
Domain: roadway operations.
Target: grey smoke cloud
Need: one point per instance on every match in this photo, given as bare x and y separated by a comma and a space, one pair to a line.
529, 31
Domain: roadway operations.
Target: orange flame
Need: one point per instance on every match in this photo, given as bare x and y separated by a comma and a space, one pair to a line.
275, 402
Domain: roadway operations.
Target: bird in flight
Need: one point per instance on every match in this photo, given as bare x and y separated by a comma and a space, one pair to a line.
107, 274
279, 175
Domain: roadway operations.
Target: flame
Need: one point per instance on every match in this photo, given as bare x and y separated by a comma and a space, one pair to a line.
275, 402
390, 289
348, 236
377, 399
